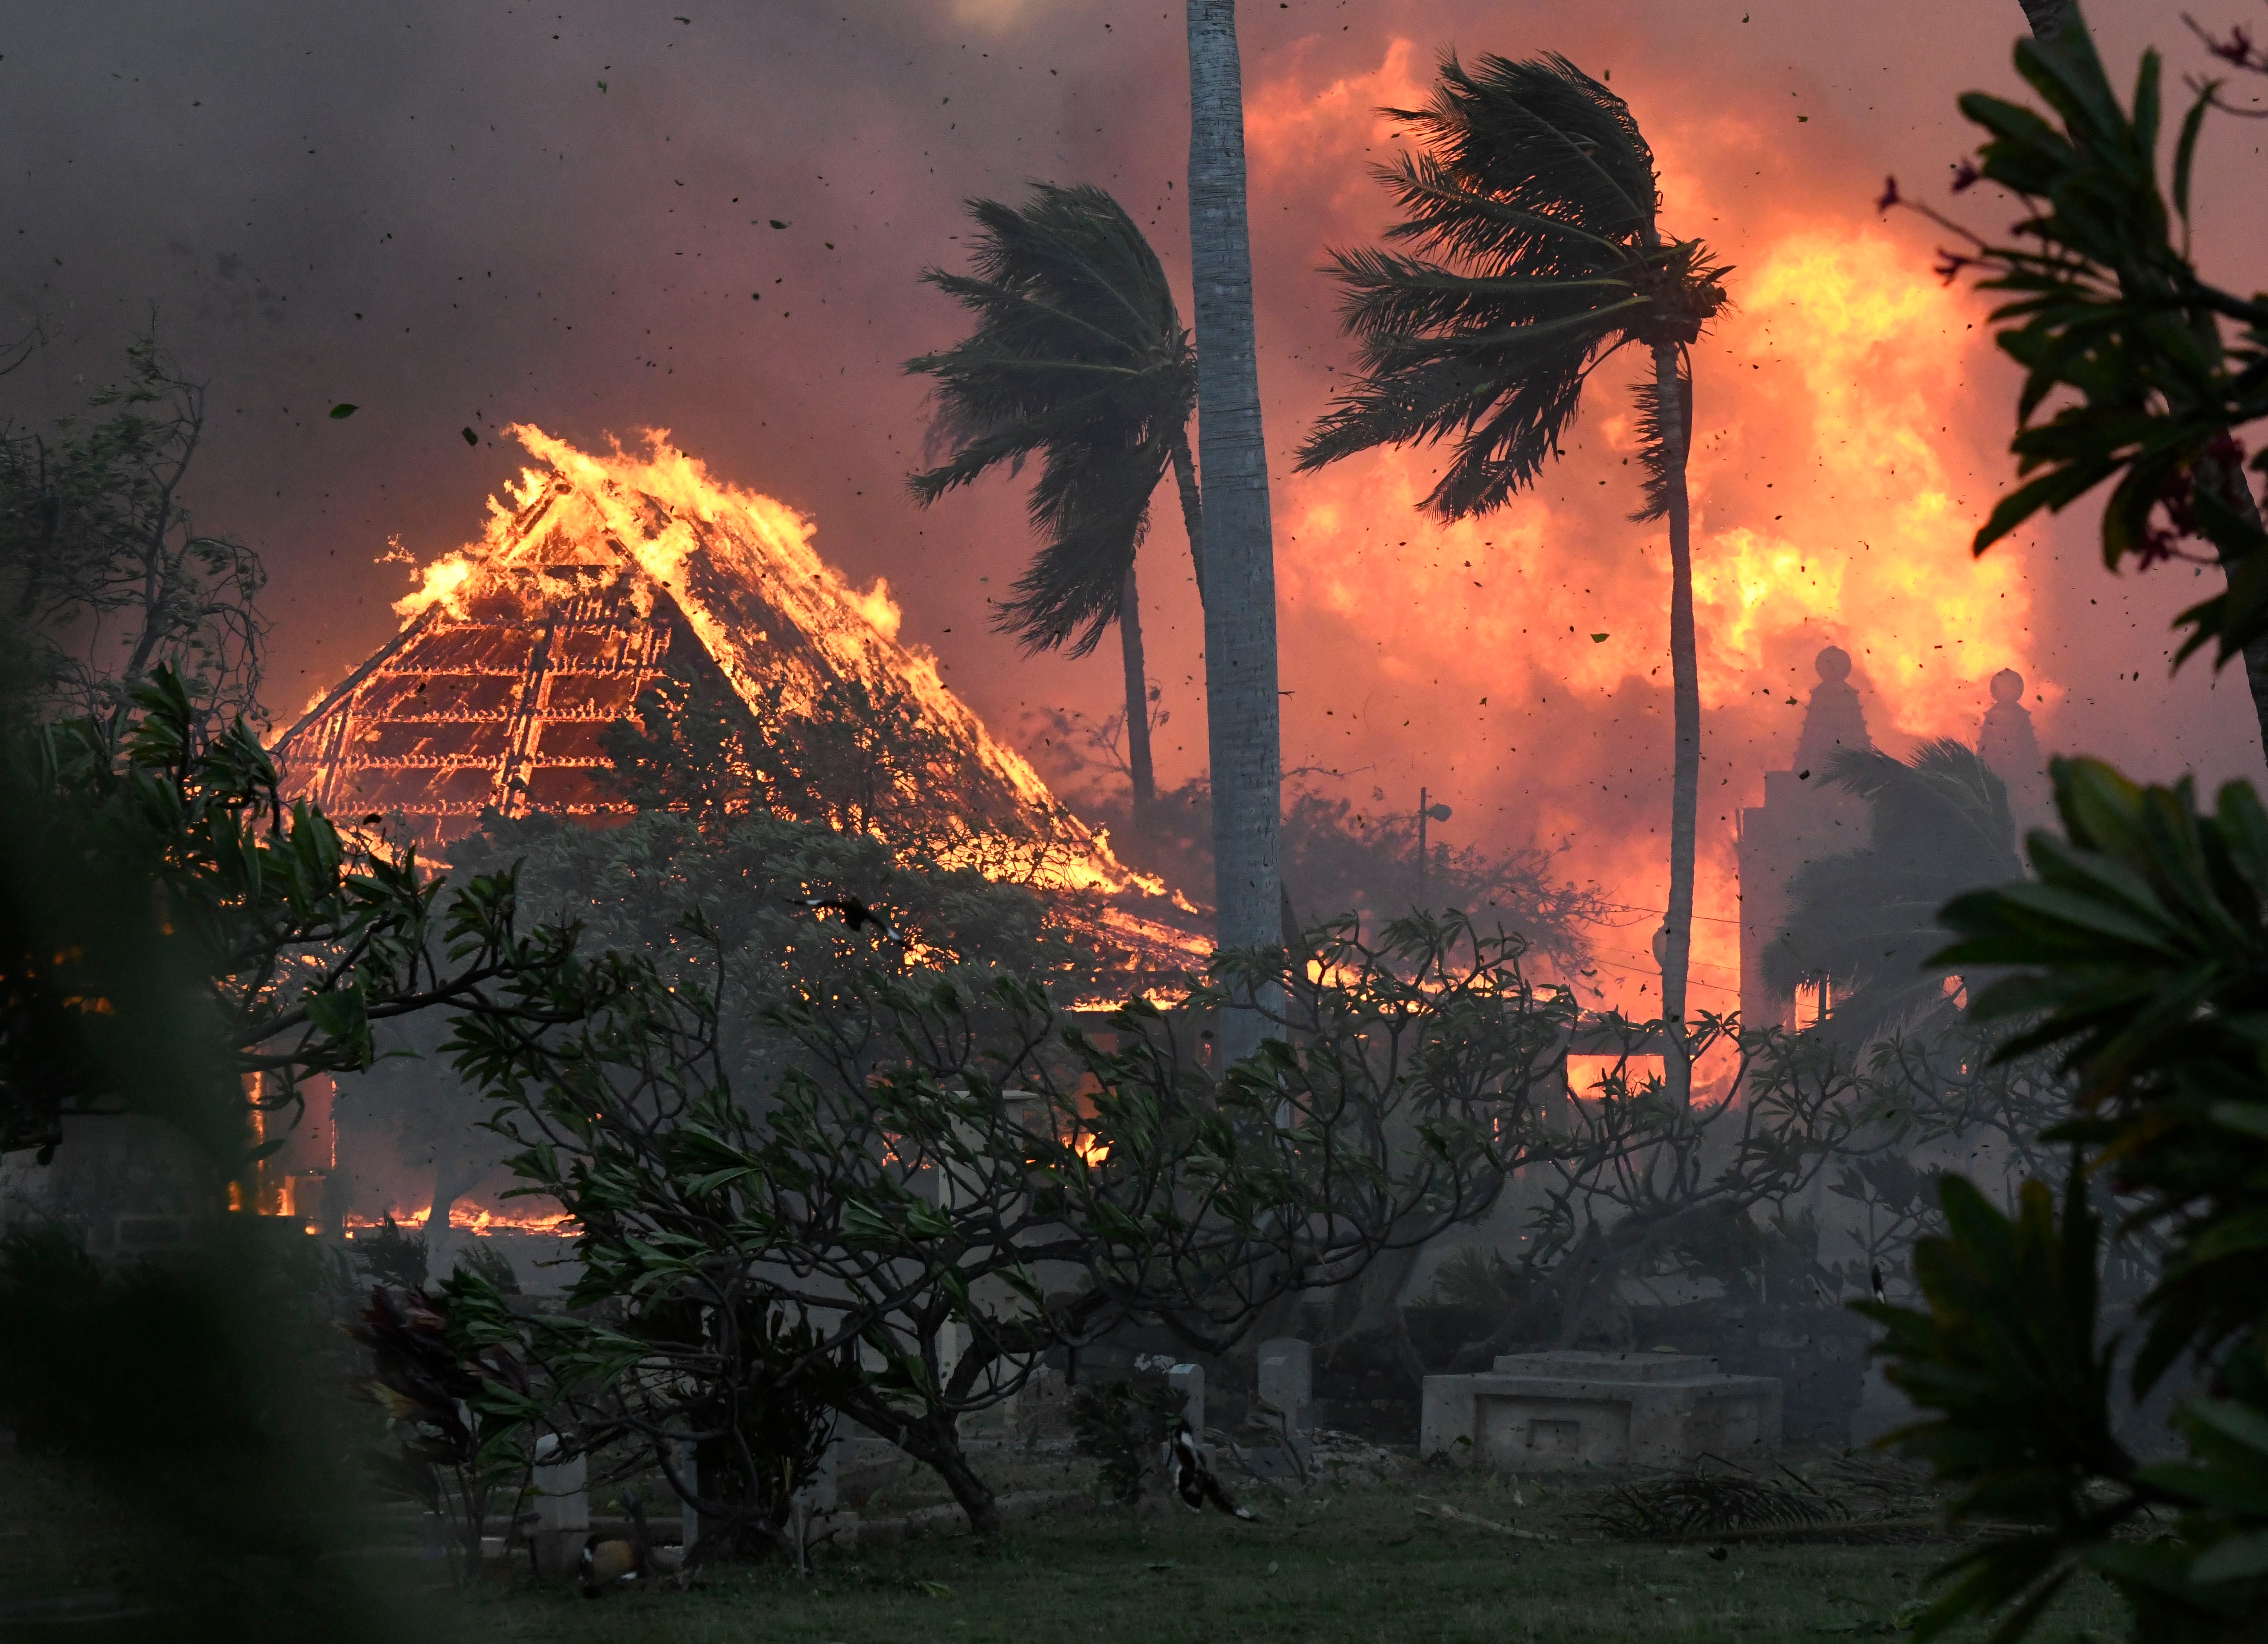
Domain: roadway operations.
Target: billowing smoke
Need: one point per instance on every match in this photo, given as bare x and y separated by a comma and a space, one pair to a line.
601, 219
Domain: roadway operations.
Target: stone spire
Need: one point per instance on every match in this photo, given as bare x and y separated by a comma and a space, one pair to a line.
2007, 743
1803, 817
1835, 721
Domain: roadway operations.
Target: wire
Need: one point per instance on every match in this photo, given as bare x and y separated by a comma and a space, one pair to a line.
1715, 987
1632, 907
1689, 966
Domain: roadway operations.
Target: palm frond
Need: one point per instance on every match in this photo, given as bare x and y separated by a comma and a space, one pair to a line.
1391, 296
1938, 824
1664, 464
1092, 513
1708, 1503
1539, 136
1530, 207
1451, 216
1077, 358
1075, 322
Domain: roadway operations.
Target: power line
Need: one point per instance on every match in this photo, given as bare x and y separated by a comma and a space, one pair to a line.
1632, 907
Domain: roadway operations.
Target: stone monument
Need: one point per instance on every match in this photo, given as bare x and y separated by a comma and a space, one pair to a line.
1187, 1380
2007, 743
1286, 1379
562, 1506
1555, 1411
1803, 817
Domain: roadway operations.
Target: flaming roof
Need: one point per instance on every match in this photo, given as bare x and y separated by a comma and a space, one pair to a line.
596, 577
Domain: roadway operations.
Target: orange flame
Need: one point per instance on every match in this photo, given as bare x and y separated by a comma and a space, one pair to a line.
1517, 663
466, 1217
668, 511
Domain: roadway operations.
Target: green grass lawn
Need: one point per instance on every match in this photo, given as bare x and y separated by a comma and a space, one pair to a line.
1334, 1566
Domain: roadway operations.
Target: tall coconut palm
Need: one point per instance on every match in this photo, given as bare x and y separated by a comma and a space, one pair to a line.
1531, 205
1240, 554
1078, 357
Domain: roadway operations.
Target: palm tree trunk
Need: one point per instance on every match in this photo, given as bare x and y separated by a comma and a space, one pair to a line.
1185, 481
1239, 559
1138, 700
1676, 390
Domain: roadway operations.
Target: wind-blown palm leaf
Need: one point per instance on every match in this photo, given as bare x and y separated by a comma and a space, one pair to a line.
1532, 208
1078, 357
1533, 254
1868, 919
1653, 446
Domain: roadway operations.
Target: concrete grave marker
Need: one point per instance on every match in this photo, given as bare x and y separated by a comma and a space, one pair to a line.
1187, 1380
563, 1507
1553, 1411
1286, 1379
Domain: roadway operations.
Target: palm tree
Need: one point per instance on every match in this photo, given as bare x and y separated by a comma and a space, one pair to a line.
1863, 923
1532, 206
1240, 556
1079, 357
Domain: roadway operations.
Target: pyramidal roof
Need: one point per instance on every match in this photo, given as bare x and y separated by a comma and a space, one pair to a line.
597, 576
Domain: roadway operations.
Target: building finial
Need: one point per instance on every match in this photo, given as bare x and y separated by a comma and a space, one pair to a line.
2010, 748
1834, 720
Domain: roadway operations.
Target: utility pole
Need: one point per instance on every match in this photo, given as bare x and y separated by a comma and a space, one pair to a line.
1438, 813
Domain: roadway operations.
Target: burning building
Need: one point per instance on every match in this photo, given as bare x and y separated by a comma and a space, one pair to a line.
599, 579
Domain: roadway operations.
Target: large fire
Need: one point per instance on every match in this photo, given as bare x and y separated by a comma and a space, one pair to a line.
688, 532
1835, 487
517, 651
468, 1217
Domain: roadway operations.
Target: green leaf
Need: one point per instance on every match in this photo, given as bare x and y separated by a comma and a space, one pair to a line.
2241, 1558
2185, 150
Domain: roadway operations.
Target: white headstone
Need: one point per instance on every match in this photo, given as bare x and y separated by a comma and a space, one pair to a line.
1286, 1379
562, 1506
689, 1470
1187, 1380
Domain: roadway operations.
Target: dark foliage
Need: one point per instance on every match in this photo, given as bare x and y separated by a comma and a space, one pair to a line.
2150, 367
1341, 859
899, 1181
455, 1393
1123, 1425
391, 1256
1865, 921
2141, 959
168, 926
1078, 358
103, 577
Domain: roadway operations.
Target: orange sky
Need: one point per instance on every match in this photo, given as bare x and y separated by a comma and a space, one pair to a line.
463, 217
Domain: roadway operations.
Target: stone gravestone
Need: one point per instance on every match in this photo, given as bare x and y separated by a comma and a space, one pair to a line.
819, 1496
690, 1469
563, 1509
1187, 1380
1287, 1379
1556, 1411
1284, 1408
1041, 1410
